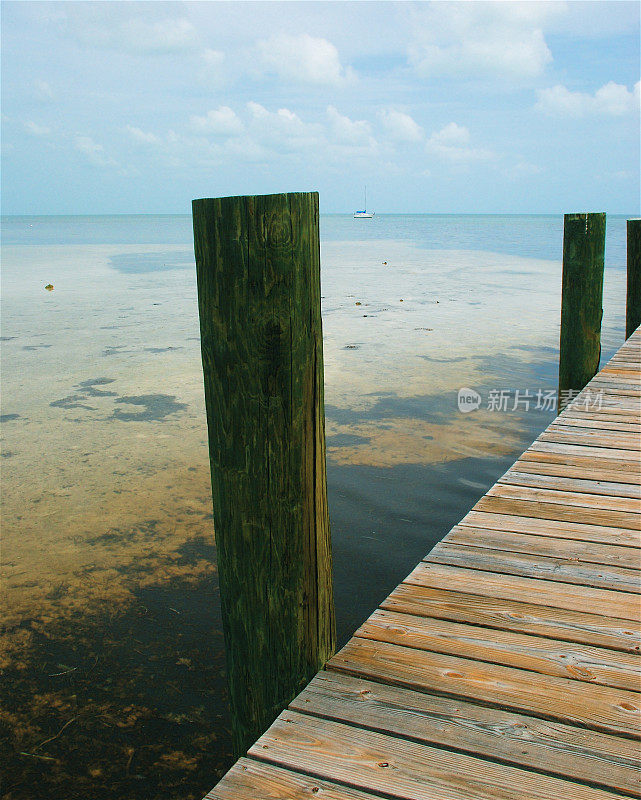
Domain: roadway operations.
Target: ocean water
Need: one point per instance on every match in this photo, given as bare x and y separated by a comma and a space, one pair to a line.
111, 651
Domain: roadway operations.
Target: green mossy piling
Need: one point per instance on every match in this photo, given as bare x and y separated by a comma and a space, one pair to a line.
258, 272
581, 303
633, 298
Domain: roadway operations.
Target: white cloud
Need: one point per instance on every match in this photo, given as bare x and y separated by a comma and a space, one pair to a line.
43, 90
212, 70
522, 169
219, 122
163, 36
472, 38
303, 59
143, 136
559, 100
213, 58
253, 134
282, 130
452, 135
37, 130
612, 99
452, 144
619, 175
100, 25
401, 127
94, 153
343, 130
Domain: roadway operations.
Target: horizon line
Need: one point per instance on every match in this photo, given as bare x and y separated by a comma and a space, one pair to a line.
634, 215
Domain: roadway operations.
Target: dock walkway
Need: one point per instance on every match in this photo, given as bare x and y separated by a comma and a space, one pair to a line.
507, 664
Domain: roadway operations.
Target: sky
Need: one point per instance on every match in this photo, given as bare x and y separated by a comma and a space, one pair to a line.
438, 107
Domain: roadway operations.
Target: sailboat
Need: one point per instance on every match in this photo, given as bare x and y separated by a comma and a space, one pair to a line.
364, 214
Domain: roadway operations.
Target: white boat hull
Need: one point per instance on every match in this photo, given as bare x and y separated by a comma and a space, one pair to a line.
363, 215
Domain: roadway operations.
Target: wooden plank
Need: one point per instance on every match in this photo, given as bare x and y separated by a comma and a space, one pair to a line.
623, 431
593, 387
586, 552
613, 366
584, 450
563, 476
609, 386
618, 377
564, 659
502, 520
401, 768
620, 386
612, 383
611, 424
550, 527
624, 359
602, 708
617, 406
606, 385
607, 414
609, 382
632, 357
514, 615
628, 470
249, 779
607, 411
628, 505
604, 389
564, 750
610, 401
612, 414
600, 439
557, 511
627, 439
549, 568
530, 590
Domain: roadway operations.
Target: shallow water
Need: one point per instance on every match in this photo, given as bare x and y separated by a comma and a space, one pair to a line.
113, 681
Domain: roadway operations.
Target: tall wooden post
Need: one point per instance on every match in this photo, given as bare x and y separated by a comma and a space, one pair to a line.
258, 271
633, 299
581, 302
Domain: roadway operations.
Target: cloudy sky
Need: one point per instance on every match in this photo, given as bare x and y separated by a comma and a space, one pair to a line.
138, 107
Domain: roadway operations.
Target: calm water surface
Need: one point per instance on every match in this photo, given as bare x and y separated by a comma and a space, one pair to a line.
113, 674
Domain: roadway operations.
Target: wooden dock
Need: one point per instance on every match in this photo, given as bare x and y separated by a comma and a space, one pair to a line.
507, 664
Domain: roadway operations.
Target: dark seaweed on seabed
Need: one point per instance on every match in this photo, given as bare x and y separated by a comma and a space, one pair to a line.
156, 408
125, 701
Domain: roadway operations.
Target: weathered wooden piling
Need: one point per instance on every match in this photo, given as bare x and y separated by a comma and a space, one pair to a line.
633, 298
581, 303
258, 272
